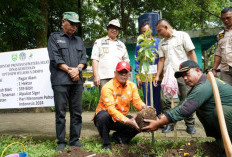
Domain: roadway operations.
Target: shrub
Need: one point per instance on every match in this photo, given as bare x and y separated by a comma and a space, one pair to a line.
90, 98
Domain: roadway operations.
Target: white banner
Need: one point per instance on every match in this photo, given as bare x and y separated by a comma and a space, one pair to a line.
25, 79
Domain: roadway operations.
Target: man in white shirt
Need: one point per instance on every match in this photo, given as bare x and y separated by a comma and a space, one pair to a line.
175, 48
106, 53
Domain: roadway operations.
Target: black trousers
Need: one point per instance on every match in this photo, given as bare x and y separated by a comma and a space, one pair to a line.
104, 123
71, 95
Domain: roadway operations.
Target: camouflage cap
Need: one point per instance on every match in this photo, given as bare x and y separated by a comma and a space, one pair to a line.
71, 16
186, 66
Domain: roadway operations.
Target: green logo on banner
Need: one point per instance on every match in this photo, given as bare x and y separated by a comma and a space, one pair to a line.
14, 57
30, 55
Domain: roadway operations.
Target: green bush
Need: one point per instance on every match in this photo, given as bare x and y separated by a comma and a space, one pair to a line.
90, 98
141, 94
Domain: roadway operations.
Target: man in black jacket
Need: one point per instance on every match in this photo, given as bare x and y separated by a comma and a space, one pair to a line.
67, 55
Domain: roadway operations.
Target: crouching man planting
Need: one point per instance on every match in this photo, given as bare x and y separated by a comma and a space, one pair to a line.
114, 104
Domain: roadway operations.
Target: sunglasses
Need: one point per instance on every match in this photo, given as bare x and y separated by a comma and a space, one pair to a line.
72, 23
113, 27
123, 72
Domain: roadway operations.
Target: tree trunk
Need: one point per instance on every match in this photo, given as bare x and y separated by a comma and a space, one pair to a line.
79, 10
125, 17
41, 35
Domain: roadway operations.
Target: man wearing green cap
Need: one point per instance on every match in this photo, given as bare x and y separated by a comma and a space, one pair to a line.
199, 99
67, 55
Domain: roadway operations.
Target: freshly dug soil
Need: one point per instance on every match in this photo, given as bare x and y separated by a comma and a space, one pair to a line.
79, 152
188, 150
148, 113
211, 149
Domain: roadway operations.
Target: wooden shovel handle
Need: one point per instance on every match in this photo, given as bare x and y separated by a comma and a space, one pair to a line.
221, 118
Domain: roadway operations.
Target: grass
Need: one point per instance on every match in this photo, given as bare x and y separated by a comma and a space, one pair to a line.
34, 148
143, 145
139, 145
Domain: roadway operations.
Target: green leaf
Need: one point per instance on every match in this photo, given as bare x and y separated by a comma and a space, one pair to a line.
140, 57
142, 77
145, 66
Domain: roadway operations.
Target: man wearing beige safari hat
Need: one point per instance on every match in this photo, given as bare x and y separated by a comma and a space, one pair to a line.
106, 53
67, 55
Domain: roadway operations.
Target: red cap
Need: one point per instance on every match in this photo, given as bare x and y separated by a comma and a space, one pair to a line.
123, 65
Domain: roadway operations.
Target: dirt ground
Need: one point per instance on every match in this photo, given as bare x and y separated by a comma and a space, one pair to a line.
189, 150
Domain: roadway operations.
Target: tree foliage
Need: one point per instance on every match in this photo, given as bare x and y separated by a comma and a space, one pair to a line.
17, 24
27, 24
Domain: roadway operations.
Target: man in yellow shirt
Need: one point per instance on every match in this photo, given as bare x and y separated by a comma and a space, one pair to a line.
114, 105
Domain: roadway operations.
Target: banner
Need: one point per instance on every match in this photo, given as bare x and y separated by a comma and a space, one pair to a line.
25, 79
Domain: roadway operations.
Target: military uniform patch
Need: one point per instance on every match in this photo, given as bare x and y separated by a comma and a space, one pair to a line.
105, 49
221, 35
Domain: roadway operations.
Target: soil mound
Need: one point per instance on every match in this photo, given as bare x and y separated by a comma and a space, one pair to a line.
190, 149
79, 152
148, 113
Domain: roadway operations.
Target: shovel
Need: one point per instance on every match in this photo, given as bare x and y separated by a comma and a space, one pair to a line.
221, 118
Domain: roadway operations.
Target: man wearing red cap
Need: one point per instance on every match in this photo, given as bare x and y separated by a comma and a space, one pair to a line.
114, 105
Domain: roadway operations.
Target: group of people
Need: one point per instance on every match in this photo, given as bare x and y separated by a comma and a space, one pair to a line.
111, 70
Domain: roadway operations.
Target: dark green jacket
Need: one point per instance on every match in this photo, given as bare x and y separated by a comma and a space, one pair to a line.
200, 99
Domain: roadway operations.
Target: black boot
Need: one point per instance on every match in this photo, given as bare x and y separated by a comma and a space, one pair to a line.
117, 139
191, 130
168, 128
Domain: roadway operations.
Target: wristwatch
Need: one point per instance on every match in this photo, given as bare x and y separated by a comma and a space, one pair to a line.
80, 69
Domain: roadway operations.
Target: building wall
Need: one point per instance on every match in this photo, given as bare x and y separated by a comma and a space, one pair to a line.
198, 51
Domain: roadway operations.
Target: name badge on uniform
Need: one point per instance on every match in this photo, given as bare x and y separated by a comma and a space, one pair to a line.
105, 49
105, 42
119, 46
60, 41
